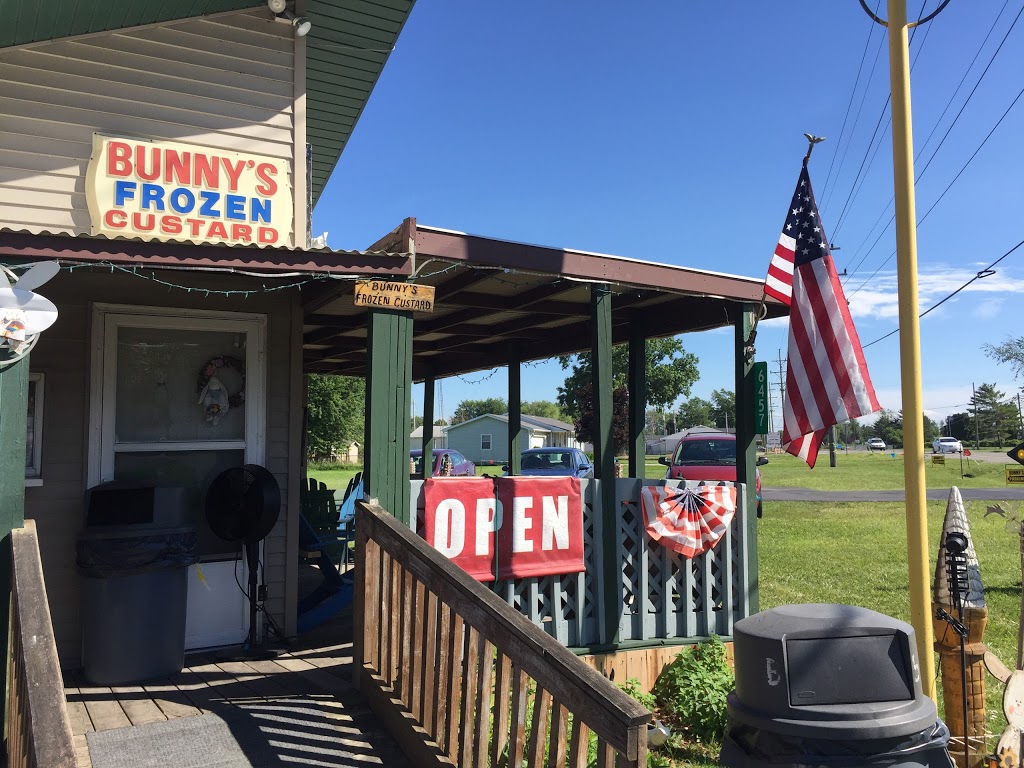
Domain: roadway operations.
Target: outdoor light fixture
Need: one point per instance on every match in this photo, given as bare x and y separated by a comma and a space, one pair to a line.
277, 6
300, 24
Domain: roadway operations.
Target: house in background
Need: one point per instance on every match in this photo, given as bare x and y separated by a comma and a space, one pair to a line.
440, 438
485, 438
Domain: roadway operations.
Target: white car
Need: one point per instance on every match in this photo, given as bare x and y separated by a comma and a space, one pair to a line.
875, 444
947, 445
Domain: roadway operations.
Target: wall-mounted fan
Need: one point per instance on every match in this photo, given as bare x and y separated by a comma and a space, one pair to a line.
242, 506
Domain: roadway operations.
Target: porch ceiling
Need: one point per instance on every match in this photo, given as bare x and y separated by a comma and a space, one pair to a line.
346, 50
497, 300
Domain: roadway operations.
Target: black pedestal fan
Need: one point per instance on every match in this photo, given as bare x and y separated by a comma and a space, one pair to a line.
242, 506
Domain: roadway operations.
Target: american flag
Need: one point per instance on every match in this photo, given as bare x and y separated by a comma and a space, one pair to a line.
827, 379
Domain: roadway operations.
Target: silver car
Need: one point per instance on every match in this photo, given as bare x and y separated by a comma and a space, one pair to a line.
947, 445
875, 444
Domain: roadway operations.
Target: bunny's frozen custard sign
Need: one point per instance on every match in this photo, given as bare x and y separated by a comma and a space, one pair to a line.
158, 190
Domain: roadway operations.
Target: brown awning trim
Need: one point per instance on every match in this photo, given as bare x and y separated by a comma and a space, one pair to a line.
151, 254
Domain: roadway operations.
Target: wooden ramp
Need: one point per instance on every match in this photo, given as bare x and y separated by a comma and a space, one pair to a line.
302, 692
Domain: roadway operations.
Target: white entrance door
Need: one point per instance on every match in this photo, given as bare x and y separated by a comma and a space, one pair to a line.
149, 424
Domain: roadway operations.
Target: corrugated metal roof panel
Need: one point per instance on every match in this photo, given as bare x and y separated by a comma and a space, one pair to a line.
346, 49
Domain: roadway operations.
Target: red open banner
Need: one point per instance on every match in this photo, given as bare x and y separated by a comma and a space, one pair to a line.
538, 523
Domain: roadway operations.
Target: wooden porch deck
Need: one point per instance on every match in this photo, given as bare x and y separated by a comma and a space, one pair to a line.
317, 716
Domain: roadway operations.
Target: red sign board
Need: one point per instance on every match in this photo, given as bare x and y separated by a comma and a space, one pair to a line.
537, 523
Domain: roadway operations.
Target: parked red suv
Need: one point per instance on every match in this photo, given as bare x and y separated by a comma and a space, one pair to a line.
708, 456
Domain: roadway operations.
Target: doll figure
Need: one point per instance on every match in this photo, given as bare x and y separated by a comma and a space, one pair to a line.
214, 399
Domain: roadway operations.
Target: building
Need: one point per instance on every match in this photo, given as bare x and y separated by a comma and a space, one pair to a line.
440, 437
484, 440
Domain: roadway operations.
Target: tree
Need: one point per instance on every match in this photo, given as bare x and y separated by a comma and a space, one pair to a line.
889, 427
695, 412
1010, 352
335, 406
931, 431
671, 372
996, 419
584, 423
723, 408
470, 409
543, 408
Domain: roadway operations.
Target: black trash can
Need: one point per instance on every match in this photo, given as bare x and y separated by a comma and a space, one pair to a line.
134, 554
829, 685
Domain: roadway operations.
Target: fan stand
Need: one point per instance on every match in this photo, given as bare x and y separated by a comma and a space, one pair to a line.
253, 649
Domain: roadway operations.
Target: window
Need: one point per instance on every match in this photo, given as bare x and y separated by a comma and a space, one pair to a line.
485, 442
34, 438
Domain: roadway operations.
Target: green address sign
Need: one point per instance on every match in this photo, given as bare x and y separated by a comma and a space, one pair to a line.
761, 398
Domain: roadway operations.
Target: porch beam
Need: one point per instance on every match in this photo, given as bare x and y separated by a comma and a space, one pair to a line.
388, 403
604, 453
428, 428
464, 279
13, 417
515, 413
514, 304
746, 445
637, 387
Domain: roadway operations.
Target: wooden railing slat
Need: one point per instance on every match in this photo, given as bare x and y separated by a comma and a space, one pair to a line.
539, 729
425, 713
444, 672
482, 705
470, 678
579, 744
38, 727
502, 694
407, 632
557, 741
605, 754
517, 736
456, 649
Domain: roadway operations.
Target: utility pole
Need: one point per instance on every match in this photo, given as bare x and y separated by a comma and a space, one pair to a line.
832, 446
974, 403
782, 392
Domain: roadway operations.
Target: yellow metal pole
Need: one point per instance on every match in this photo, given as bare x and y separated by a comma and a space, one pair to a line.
910, 344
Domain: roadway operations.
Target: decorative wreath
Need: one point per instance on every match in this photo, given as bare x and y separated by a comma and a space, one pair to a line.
213, 366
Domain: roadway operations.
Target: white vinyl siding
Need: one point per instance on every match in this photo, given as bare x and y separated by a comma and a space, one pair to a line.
225, 82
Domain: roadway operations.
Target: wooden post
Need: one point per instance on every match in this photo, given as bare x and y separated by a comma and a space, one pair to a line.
637, 398
428, 427
388, 402
604, 455
13, 416
746, 455
515, 413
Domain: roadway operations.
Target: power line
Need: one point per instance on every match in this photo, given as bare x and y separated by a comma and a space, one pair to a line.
935, 151
987, 272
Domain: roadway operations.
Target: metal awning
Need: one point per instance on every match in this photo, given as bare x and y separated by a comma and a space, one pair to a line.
498, 300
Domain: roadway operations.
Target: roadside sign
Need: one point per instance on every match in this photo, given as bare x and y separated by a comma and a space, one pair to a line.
967, 451
1017, 454
760, 398
386, 294
938, 459
1014, 475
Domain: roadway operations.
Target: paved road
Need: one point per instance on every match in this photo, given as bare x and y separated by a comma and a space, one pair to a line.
935, 494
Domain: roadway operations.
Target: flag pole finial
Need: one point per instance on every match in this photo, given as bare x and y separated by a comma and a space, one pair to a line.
811, 141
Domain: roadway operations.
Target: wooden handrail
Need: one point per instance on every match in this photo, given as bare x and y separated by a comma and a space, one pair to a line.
454, 670
38, 728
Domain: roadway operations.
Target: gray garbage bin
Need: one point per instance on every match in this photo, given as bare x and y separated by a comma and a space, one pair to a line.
134, 555
829, 685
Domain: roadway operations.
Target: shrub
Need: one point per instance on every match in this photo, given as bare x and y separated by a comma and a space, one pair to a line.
691, 690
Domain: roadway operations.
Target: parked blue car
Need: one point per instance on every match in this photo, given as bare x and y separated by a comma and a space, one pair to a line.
554, 462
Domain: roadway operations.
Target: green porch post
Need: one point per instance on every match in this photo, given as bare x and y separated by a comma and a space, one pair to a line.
637, 398
13, 414
428, 427
604, 455
515, 413
746, 454
388, 402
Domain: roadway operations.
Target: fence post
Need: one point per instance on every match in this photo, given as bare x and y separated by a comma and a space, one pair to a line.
746, 454
13, 418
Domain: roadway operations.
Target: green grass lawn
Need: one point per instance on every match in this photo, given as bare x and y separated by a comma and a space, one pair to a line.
855, 553
875, 472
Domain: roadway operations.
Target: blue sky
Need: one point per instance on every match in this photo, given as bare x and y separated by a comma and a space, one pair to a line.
672, 132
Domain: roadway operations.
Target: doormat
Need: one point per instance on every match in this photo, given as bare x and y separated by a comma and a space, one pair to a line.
230, 739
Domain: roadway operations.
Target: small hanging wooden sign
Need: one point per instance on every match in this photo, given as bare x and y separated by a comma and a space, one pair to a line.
384, 294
